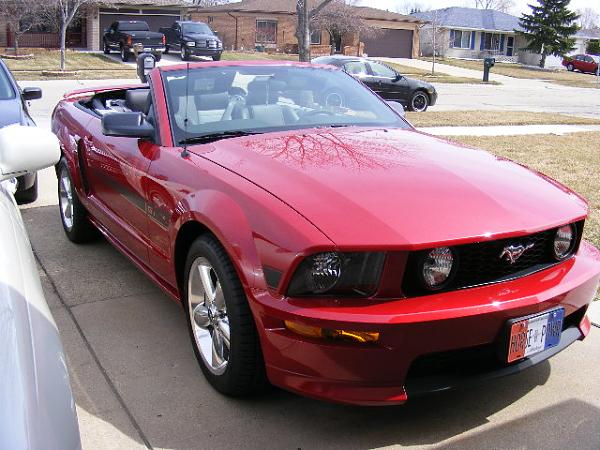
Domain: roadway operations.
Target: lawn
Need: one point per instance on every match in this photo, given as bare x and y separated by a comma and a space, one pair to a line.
492, 118
439, 77
572, 159
558, 76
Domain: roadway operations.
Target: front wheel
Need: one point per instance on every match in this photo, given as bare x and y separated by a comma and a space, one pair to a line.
124, 54
418, 102
216, 57
106, 48
220, 322
27, 196
72, 213
185, 56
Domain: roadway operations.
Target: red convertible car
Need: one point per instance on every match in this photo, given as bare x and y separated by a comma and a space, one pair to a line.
316, 240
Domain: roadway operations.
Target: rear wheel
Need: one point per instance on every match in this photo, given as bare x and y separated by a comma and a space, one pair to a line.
157, 56
166, 50
72, 213
124, 54
418, 102
570, 67
220, 322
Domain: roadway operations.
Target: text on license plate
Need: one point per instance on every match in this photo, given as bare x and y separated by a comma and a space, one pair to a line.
536, 334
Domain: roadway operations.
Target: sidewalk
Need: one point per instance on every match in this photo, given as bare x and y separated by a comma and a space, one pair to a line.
594, 313
509, 130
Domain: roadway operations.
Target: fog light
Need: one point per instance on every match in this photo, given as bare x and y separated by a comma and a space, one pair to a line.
564, 241
437, 267
361, 337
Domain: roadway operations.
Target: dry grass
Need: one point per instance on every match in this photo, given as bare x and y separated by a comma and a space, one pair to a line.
253, 56
572, 159
439, 77
491, 118
558, 76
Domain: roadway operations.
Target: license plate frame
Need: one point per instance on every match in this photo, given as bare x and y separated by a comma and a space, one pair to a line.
524, 334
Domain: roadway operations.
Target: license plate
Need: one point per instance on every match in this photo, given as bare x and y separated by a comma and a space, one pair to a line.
535, 334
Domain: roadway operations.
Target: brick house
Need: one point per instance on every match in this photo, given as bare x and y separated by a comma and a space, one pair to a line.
271, 24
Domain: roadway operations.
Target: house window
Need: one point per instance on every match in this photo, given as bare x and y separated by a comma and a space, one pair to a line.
491, 41
210, 19
315, 37
462, 39
266, 31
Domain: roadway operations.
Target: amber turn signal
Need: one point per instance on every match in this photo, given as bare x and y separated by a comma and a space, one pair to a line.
361, 337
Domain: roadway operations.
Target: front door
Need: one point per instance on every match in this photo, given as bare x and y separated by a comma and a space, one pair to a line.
510, 45
390, 85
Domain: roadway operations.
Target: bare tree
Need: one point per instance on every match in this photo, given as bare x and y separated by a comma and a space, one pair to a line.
588, 18
21, 16
434, 37
207, 3
60, 14
306, 11
339, 18
499, 5
410, 7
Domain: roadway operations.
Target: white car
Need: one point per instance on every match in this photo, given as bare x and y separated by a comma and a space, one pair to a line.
37, 410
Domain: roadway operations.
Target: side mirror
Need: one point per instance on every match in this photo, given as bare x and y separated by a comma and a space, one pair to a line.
398, 107
31, 93
127, 124
26, 149
398, 77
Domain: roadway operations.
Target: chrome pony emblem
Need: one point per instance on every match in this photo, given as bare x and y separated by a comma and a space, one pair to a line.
511, 253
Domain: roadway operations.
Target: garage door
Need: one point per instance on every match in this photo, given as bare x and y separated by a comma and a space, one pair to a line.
390, 43
154, 17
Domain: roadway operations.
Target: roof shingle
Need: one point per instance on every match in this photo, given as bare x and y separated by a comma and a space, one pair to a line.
472, 18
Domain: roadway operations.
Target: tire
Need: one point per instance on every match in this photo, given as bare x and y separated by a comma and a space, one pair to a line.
166, 52
217, 57
419, 101
106, 48
124, 54
243, 372
77, 227
570, 67
28, 195
185, 56
157, 56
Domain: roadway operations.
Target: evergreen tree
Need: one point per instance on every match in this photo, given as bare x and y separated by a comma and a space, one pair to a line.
549, 28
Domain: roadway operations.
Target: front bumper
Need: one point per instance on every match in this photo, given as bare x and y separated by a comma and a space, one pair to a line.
461, 326
432, 97
199, 51
141, 48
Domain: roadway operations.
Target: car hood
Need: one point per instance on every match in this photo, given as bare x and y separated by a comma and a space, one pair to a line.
397, 188
11, 112
416, 84
201, 36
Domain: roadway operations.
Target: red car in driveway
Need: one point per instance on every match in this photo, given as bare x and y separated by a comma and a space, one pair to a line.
583, 63
316, 240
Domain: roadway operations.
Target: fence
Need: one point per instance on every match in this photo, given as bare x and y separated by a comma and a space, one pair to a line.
46, 40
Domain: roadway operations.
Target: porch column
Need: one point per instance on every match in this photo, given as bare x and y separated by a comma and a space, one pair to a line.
93, 28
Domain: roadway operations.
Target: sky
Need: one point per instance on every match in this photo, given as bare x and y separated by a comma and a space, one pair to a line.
520, 5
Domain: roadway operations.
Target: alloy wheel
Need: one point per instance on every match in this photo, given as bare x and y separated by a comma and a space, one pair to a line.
208, 315
419, 102
65, 198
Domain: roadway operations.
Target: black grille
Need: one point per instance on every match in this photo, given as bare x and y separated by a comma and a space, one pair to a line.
480, 263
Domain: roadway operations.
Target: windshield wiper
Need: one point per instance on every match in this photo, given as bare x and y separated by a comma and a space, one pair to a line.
212, 137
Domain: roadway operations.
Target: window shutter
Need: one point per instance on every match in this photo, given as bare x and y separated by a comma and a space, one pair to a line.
502, 42
451, 38
482, 43
473, 40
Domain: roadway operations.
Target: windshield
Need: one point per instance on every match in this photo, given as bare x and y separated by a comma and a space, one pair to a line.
269, 98
134, 26
6, 88
198, 28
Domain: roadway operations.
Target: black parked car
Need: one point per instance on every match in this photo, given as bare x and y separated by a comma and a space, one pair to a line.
192, 38
13, 109
125, 35
415, 95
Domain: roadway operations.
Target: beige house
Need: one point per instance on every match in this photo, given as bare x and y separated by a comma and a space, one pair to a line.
271, 24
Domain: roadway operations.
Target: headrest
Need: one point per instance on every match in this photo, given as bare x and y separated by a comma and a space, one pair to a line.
211, 102
138, 100
263, 91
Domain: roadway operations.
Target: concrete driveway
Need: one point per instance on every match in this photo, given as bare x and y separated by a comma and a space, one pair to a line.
137, 384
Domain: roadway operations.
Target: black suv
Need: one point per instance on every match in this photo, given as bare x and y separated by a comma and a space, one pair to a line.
192, 38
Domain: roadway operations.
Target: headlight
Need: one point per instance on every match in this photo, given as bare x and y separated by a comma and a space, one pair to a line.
437, 267
564, 241
190, 44
334, 273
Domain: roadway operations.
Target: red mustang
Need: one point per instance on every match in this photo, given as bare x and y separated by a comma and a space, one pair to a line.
316, 240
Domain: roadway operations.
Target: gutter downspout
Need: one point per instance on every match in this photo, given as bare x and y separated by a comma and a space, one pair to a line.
236, 29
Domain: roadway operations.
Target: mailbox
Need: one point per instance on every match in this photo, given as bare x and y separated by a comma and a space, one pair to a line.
488, 63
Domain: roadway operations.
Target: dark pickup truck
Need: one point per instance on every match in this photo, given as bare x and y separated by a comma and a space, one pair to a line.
126, 36
192, 38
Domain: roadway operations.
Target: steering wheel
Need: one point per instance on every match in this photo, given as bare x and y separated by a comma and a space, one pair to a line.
319, 112
334, 98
